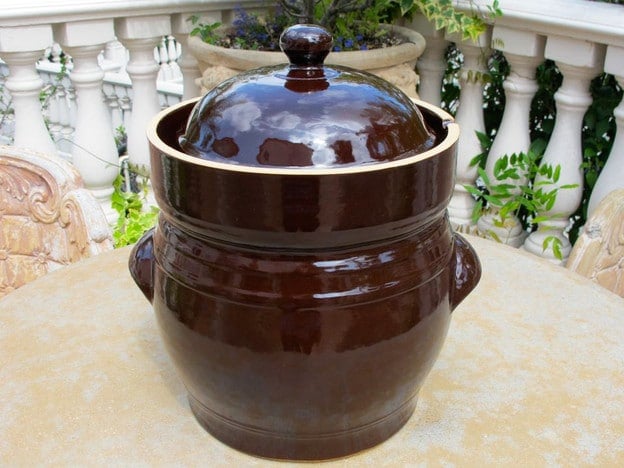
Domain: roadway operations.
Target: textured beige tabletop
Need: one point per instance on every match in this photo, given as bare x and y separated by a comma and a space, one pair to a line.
531, 374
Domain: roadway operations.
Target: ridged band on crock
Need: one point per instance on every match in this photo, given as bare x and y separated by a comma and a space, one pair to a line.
301, 447
355, 274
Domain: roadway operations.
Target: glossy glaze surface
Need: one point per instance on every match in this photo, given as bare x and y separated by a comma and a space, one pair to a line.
303, 307
302, 355
305, 114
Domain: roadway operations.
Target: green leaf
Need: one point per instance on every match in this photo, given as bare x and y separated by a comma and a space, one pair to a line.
556, 173
495, 237
493, 200
550, 202
481, 173
133, 219
475, 161
472, 190
406, 5
540, 219
555, 244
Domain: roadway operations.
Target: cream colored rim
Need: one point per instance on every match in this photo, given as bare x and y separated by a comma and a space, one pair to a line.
449, 140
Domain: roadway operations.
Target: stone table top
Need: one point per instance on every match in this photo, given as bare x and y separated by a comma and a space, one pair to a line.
531, 374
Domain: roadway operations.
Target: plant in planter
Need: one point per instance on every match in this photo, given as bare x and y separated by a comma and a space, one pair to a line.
524, 202
362, 29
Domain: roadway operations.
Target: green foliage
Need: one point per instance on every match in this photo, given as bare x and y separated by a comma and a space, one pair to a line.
450, 81
206, 32
359, 30
444, 15
510, 196
599, 124
353, 23
543, 108
485, 142
133, 218
121, 140
354, 28
598, 133
493, 92
248, 31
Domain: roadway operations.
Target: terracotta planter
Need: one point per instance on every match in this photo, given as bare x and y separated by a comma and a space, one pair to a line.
303, 306
395, 64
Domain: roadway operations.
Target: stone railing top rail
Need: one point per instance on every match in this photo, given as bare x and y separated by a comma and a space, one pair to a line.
29, 12
590, 20
594, 21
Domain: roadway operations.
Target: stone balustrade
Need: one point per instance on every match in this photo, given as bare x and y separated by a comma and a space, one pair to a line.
125, 66
584, 39
129, 61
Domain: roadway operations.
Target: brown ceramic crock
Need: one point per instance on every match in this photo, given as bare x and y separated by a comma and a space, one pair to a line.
303, 305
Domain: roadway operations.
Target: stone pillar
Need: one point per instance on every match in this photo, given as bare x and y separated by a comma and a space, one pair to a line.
579, 61
94, 152
181, 28
140, 35
469, 116
612, 175
524, 51
21, 48
431, 64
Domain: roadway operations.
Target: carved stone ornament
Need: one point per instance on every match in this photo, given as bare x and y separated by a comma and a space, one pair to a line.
47, 218
598, 253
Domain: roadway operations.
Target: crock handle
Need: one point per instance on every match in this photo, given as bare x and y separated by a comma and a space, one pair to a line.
141, 264
465, 270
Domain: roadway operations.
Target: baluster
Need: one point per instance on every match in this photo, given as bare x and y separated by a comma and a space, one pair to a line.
125, 104
93, 151
188, 64
58, 114
161, 55
431, 64
115, 97
114, 57
140, 35
115, 111
55, 53
612, 175
524, 51
469, 116
173, 52
579, 61
20, 48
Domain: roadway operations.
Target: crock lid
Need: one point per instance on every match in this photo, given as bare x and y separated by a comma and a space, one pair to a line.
305, 114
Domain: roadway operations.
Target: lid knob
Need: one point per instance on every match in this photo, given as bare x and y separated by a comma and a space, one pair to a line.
306, 45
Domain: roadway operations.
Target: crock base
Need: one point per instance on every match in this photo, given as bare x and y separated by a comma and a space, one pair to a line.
266, 444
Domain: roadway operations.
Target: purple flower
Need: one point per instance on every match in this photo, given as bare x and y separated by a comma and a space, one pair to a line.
348, 43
